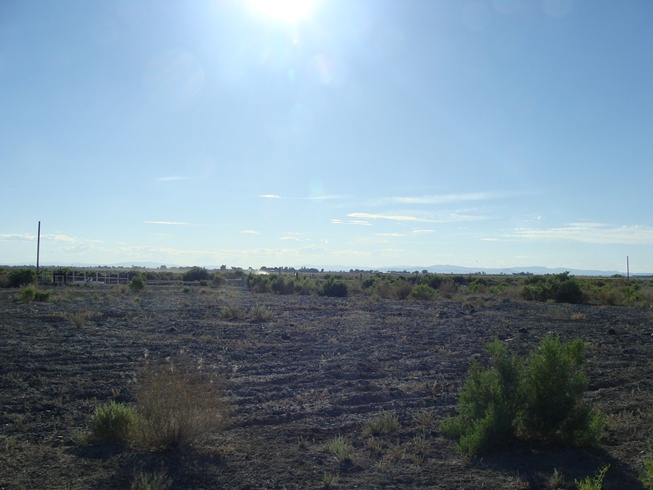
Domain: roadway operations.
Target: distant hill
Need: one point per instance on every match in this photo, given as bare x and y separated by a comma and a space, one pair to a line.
455, 269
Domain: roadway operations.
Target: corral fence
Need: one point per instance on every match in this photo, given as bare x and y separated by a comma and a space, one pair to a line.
67, 277
96, 278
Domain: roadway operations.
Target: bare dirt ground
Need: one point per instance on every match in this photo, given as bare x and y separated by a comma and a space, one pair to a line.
316, 369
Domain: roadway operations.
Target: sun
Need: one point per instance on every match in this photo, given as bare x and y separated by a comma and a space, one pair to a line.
290, 11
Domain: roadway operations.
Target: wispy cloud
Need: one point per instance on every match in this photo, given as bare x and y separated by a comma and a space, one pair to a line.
18, 237
385, 216
270, 196
421, 232
390, 234
357, 222
447, 198
167, 223
590, 233
250, 232
29, 237
290, 238
444, 218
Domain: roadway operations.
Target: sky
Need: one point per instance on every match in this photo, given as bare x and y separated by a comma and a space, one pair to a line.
353, 133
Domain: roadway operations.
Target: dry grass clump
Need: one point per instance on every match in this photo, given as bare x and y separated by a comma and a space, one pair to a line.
79, 318
231, 312
383, 423
178, 405
260, 313
150, 481
448, 289
341, 449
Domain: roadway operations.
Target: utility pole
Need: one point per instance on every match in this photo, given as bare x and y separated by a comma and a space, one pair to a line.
38, 248
627, 269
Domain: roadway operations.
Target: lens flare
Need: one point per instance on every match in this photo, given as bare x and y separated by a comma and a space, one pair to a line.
291, 11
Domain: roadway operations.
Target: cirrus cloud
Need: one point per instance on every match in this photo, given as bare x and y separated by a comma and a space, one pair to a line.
168, 223
597, 233
391, 217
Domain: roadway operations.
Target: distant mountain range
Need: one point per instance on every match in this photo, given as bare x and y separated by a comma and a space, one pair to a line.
455, 269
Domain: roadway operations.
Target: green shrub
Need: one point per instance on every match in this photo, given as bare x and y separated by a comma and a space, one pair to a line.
112, 423
561, 288
432, 280
478, 285
488, 404
258, 283
647, 474
595, 483
423, 292
539, 401
30, 293
27, 294
304, 286
196, 274
21, 277
137, 284
553, 389
282, 285
334, 288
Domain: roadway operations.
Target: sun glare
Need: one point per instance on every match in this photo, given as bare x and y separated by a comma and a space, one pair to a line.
291, 11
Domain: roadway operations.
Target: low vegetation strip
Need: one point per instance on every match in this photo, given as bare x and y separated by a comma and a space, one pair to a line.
558, 288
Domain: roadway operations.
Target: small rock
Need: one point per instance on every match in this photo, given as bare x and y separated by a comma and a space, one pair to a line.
612, 331
523, 330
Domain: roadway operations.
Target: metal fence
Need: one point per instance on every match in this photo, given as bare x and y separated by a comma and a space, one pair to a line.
67, 277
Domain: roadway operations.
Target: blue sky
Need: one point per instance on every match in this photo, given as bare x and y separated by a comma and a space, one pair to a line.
337, 132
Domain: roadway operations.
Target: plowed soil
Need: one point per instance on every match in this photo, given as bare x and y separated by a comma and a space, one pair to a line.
317, 368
